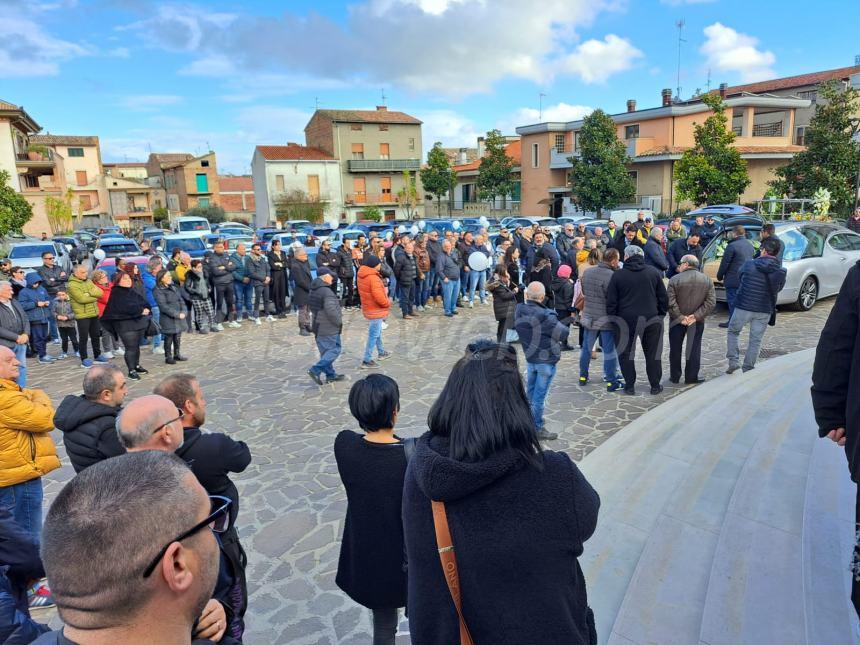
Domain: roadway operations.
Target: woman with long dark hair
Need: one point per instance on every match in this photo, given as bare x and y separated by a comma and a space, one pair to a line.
512, 264
517, 516
278, 266
504, 302
126, 317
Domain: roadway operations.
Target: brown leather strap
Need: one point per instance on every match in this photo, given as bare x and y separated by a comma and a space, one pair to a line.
449, 565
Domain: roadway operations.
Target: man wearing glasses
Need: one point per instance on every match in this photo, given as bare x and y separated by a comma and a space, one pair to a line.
54, 279
151, 541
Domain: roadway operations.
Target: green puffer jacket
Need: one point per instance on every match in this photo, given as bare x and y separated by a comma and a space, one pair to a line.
84, 295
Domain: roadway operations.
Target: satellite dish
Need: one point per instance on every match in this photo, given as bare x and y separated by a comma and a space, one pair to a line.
478, 261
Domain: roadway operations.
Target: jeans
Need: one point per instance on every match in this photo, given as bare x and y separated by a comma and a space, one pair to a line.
329, 348
24, 501
693, 336
650, 333
52, 322
731, 294
540, 377
610, 358
384, 626
21, 354
431, 282
244, 299
422, 292
156, 316
407, 297
392, 287
758, 325
374, 339
477, 279
39, 332
450, 290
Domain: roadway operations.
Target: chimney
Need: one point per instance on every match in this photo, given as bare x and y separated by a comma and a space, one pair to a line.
381, 108
462, 158
667, 96
723, 88
292, 143
480, 147
631, 105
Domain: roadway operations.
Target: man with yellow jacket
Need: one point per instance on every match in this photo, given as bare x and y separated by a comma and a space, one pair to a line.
27, 452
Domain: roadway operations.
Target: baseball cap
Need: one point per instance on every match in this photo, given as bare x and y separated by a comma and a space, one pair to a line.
321, 271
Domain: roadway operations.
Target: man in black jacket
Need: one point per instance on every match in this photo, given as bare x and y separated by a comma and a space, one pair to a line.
737, 252
835, 382
88, 421
681, 247
221, 268
434, 248
54, 279
622, 241
406, 273
300, 273
637, 299
327, 325
330, 259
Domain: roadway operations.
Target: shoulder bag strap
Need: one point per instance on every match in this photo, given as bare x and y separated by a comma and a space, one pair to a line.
449, 565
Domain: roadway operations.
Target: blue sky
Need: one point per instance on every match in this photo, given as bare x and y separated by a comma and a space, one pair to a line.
185, 76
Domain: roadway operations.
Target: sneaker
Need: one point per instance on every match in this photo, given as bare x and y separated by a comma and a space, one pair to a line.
630, 391
732, 369
55, 341
270, 318
471, 305
218, 327
170, 360
384, 325
46, 360
257, 321
234, 325
87, 363
158, 350
134, 376
141, 370
316, 377
614, 386
336, 378
656, 390
119, 351
723, 325
77, 354
62, 356
107, 354
305, 332
39, 596
583, 380
213, 329
369, 365
543, 435
102, 359
383, 355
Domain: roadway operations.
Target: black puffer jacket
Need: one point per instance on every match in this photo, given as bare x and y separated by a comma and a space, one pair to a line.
754, 293
328, 259
257, 269
89, 433
325, 309
405, 269
195, 287
637, 290
344, 262
221, 268
300, 272
504, 300
562, 292
170, 305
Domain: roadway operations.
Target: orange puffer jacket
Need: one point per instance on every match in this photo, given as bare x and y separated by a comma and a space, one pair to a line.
374, 298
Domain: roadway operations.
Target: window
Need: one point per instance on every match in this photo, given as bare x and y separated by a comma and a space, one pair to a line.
314, 186
631, 131
853, 241
358, 151
811, 95
359, 188
204, 163
559, 142
383, 127
76, 152
384, 150
385, 188
800, 137
795, 245
411, 143
815, 247
81, 177
389, 215
535, 155
576, 141
202, 182
355, 126
634, 175
840, 242
279, 183
86, 202
203, 201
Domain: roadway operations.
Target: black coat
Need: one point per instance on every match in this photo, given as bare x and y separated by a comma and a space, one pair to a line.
677, 250
518, 533
504, 300
758, 279
212, 456
277, 262
737, 252
328, 259
405, 269
89, 431
327, 319
221, 268
344, 263
562, 291
654, 255
13, 323
371, 569
637, 291
124, 311
195, 287
170, 305
301, 275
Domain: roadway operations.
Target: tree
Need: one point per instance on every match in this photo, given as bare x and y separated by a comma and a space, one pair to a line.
212, 212
494, 173
599, 178
437, 177
372, 213
407, 196
832, 156
59, 212
15, 211
161, 216
712, 171
297, 204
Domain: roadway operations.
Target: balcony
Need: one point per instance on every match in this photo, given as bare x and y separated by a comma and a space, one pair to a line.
559, 157
768, 129
383, 165
371, 198
35, 159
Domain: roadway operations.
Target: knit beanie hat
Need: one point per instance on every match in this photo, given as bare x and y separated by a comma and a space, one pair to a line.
371, 261
563, 271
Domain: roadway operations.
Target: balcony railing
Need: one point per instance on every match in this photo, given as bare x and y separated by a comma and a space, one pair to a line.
371, 198
560, 157
737, 129
383, 165
768, 129
46, 157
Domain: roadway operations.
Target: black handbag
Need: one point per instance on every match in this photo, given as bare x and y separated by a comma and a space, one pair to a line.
772, 321
152, 328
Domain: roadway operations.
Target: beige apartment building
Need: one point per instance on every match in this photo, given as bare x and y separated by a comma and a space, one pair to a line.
83, 170
126, 170
188, 181
374, 148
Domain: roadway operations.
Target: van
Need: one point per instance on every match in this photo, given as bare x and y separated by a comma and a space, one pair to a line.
191, 225
621, 215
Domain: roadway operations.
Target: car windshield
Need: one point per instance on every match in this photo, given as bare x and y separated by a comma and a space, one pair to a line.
193, 226
185, 243
120, 248
322, 232
30, 250
232, 231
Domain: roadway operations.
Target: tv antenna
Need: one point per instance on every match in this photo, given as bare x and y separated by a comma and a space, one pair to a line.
680, 25
383, 95
709, 80
540, 106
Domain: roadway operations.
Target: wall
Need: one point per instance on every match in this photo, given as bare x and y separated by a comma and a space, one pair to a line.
191, 169
295, 174
318, 134
7, 153
760, 172
536, 182
92, 165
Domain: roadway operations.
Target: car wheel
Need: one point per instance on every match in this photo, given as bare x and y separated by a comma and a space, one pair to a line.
808, 294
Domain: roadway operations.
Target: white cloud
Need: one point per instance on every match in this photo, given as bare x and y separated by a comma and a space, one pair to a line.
119, 52
594, 61
27, 50
149, 102
452, 129
450, 47
728, 50
677, 3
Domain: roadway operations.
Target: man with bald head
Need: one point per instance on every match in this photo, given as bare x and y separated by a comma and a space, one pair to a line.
542, 337
150, 422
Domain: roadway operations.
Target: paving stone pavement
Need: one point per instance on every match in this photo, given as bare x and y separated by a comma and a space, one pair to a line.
293, 504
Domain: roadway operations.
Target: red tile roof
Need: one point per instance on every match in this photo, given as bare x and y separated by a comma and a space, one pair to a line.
63, 140
291, 153
744, 150
513, 150
231, 184
369, 116
5, 105
794, 81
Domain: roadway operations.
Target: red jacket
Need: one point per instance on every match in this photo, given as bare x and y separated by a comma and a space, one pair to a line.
374, 298
102, 302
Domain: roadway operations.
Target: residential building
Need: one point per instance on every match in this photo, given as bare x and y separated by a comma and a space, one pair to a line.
237, 197
278, 171
128, 170
655, 139
188, 181
374, 148
461, 156
36, 173
84, 173
130, 201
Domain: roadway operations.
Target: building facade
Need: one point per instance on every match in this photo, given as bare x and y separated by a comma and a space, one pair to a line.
374, 148
127, 170
287, 172
237, 197
655, 139
187, 181
84, 173
130, 201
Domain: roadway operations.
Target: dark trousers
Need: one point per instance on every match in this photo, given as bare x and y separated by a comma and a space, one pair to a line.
502, 329
171, 345
407, 297
68, 334
384, 626
279, 292
650, 334
349, 291
131, 341
261, 292
693, 336
855, 562
304, 318
89, 328
39, 332
224, 295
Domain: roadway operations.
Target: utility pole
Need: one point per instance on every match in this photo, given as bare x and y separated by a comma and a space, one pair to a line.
680, 25
540, 106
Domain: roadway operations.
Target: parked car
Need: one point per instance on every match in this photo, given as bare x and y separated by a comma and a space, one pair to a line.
318, 234
219, 228
287, 239
87, 238
296, 224
118, 247
108, 265
337, 237
439, 225
152, 233
191, 244
817, 257
28, 255
111, 236
76, 247
108, 229
725, 210
232, 241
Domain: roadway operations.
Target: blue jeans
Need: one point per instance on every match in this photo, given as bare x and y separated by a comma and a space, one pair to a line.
610, 358
731, 294
392, 287
758, 326
244, 299
374, 339
477, 279
450, 290
432, 282
53, 330
24, 501
540, 376
422, 292
21, 355
329, 348
464, 281
156, 316
39, 333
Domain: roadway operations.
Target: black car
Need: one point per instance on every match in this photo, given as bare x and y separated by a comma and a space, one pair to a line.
76, 247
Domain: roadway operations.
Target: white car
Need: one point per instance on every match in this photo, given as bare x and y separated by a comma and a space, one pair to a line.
28, 255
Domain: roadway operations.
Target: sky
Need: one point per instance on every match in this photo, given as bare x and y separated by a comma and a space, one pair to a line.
189, 76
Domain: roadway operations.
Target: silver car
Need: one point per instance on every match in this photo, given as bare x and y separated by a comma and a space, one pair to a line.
817, 257
28, 255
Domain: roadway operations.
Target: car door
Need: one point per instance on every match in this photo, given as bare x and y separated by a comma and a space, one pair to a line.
837, 258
